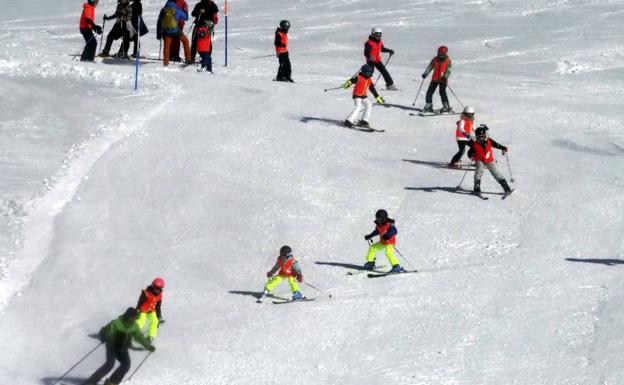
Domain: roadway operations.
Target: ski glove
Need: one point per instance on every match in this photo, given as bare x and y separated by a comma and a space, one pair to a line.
379, 100
367, 237
347, 84
471, 153
152, 348
505, 150
424, 75
391, 52
97, 29
300, 278
269, 274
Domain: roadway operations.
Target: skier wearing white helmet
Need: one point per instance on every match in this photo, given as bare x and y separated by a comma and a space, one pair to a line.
463, 133
372, 52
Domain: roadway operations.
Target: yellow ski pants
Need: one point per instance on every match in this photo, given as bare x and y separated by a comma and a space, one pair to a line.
153, 327
277, 279
377, 247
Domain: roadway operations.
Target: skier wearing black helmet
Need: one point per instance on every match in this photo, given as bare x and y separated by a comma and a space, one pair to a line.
87, 27
363, 82
284, 73
481, 152
287, 268
387, 231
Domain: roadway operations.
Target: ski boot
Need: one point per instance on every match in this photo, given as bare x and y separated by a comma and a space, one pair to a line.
104, 54
370, 265
397, 269
506, 187
391, 87
109, 382
364, 124
477, 188
263, 296
297, 296
428, 107
454, 165
347, 123
290, 80
445, 108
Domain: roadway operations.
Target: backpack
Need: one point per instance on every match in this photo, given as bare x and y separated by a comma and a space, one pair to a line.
169, 20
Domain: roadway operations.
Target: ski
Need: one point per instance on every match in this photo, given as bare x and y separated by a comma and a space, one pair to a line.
359, 128
508, 194
380, 275
362, 271
435, 113
304, 299
480, 195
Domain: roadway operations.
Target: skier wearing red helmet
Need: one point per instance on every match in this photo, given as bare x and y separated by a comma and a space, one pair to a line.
149, 307
441, 67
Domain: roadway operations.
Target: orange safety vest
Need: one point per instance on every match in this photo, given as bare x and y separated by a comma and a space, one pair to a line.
361, 87
484, 155
382, 229
439, 68
204, 44
88, 12
468, 124
150, 302
284, 38
375, 52
286, 267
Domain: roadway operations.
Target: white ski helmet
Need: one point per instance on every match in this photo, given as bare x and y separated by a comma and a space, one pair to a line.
376, 31
469, 110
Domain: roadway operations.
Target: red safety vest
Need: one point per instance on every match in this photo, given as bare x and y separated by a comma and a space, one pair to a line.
150, 302
382, 229
375, 51
284, 38
88, 12
286, 267
439, 68
485, 155
361, 87
468, 124
204, 44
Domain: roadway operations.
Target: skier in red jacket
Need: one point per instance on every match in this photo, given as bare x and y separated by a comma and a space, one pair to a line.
441, 67
149, 307
87, 26
204, 45
372, 52
481, 152
284, 72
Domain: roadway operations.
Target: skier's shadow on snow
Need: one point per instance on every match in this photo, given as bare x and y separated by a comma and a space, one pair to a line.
453, 190
306, 119
66, 380
402, 107
437, 164
340, 264
608, 262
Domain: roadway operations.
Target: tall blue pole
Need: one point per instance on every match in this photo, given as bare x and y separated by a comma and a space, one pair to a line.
226, 31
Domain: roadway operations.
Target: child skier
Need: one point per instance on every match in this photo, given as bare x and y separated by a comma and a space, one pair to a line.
372, 52
149, 307
463, 133
363, 82
204, 45
117, 335
286, 267
119, 30
384, 227
167, 28
87, 26
481, 152
441, 67
284, 72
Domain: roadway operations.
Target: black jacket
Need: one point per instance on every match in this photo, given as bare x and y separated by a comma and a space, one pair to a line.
210, 10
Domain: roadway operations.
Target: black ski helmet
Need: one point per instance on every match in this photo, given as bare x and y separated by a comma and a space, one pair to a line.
285, 251
381, 215
481, 132
284, 25
130, 314
367, 70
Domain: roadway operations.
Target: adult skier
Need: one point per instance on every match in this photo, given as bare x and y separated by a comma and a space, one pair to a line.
149, 307
118, 335
204, 45
481, 152
441, 67
363, 81
137, 24
174, 51
122, 29
287, 268
203, 11
372, 52
463, 133
284, 72
87, 27
387, 231
167, 28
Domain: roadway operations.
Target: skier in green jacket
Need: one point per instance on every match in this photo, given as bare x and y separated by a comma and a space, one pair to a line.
118, 335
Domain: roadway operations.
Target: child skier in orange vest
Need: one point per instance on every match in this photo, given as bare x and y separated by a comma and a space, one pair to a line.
149, 307
441, 67
204, 45
384, 227
287, 268
363, 82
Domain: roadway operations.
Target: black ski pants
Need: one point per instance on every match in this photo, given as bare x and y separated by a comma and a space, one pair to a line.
384, 73
284, 73
119, 31
88, 53
462, 148
432, 87
112, 354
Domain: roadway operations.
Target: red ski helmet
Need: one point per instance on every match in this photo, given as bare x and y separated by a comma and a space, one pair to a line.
158, 283
442, 50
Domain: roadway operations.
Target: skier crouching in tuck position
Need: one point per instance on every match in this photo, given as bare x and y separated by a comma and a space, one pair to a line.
441, 67
363, 82
481, 152
287, 268
463, 133
384, 227
118, 335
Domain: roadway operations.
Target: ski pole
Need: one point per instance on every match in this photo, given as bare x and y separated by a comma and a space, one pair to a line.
453, 92
402, 257
77, 363
332, 89
509, 167
262, 56
462, 180
418, 93
191, 26
102, 37
385, 64
317, 289
160, 48
141, 364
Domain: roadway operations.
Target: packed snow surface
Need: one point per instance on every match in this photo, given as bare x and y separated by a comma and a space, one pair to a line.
200, 179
